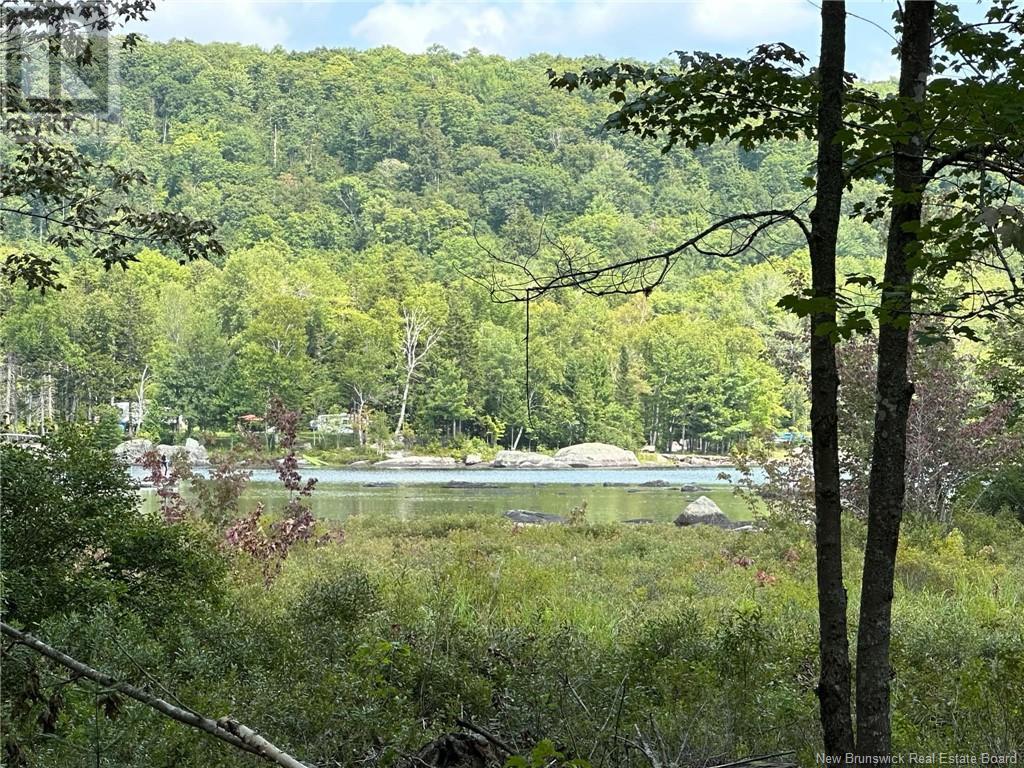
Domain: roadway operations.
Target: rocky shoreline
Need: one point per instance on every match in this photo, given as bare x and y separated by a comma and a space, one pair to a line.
580, 456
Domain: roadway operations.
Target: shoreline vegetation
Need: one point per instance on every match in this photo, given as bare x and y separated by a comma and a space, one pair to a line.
699, 641
580, 456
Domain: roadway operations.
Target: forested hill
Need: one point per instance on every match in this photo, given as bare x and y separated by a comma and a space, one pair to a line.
354, 192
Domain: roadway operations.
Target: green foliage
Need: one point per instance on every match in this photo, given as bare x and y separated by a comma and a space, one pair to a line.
335, 219
107, 431
602, 641
74, 538
73, 199
1002, 493
544, 755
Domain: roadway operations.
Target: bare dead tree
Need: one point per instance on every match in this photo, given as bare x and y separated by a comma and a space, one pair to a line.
418, 338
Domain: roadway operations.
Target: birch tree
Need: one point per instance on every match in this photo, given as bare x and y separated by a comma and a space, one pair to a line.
423, 316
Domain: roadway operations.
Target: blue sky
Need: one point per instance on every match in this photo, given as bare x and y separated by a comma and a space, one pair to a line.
642, 29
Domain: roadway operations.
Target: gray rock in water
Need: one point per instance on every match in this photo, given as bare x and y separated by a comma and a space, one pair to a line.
418, 462
133, 450
526, 517
380, 485
526, 460
656, 484
196, 452
703, 511
193, 451
597, 455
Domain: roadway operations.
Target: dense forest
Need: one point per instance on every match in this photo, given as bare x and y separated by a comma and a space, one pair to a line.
362, 198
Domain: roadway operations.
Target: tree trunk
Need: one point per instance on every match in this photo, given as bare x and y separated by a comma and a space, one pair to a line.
405, 400
893, 392
42, 407
361, 419
833, 643
141, 399
10, 409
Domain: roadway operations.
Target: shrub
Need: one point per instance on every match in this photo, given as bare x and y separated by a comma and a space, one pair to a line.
1004, 492
74, 536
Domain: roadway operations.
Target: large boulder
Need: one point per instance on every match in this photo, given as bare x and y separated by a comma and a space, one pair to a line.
132, 451
196, 452
193, 451
597, 455
418, 462
703, 511
526, 517
472, 459
526, 460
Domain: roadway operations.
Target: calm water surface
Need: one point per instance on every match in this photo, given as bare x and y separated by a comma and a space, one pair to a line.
611, 494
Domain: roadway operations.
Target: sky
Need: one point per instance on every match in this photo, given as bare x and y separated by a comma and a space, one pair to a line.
644, 29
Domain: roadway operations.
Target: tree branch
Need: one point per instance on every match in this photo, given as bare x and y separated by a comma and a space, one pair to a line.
225, 729
631, 275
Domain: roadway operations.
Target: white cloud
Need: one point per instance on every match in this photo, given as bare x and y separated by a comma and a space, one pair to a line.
249, 21
510, 28
740, 19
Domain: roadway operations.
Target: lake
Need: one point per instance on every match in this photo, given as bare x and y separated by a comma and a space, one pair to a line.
611, 494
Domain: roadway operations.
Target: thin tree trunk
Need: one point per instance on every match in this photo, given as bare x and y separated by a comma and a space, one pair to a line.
893, 392
225, 729
361, 419
49, 396
833, 641
42, 408
405, 400
10, 409
141, 400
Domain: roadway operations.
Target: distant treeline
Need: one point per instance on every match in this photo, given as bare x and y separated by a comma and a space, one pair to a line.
361, 196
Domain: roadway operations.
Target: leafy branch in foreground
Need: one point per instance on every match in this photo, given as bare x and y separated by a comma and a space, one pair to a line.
49, 187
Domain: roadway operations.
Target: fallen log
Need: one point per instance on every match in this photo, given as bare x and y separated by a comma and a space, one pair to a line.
225, 729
